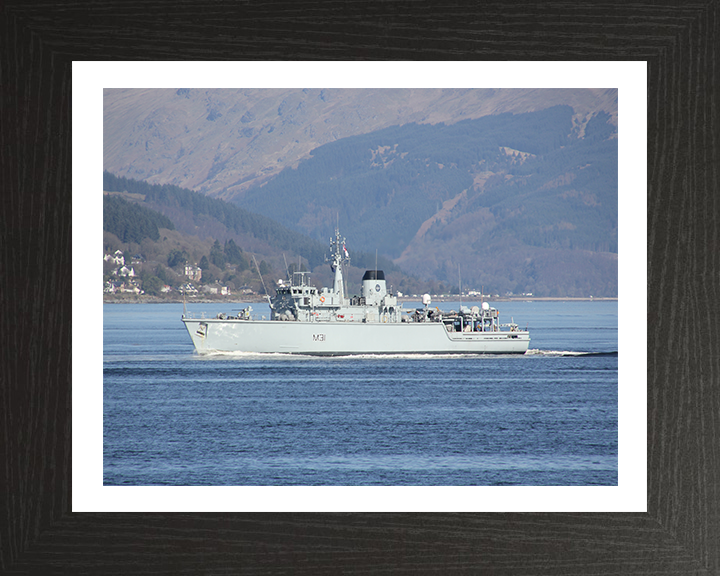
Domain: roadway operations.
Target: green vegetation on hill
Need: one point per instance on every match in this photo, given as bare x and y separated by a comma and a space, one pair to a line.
385, 184
235, 218
561, 200
162, 263
506, 198
130, 222
238, 220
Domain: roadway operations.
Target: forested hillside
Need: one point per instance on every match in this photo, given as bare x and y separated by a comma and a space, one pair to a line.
149, 207
170, 199
130, 222
516, 202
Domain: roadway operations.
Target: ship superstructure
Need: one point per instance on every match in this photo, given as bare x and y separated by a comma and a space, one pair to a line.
302, 302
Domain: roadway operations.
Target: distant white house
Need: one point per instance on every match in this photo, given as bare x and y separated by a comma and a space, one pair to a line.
117, 258
193, 272
125, 271
130, 287
216, 289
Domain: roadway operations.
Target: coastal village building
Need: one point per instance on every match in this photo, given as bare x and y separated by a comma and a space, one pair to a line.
131, 287
216, 289
117, 258
124, 278
112, 286
115, 286
194, 273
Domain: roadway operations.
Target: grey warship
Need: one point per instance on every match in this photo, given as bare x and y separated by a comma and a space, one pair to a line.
327, 322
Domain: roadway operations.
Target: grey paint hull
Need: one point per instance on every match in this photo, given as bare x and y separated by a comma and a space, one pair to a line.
347, 338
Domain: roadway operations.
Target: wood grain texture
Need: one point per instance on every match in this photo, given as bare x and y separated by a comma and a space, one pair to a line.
680, 533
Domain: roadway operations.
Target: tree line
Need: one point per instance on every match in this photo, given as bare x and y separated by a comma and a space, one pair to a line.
238, 220
235, 218
131, 222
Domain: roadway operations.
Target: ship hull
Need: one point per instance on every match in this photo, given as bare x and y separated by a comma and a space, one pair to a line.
347, 338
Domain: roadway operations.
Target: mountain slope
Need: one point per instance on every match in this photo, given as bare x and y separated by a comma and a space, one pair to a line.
517, 189
508, 198
222, 142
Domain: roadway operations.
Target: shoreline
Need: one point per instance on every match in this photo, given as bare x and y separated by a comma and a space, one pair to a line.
135, 299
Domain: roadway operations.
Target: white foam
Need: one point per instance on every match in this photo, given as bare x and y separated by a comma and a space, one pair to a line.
536, 352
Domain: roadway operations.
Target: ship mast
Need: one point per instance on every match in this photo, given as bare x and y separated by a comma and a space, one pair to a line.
338, 256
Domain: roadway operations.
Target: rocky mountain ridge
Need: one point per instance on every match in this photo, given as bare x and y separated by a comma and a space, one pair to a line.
222, 142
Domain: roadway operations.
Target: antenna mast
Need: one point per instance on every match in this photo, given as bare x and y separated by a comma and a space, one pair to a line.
261, 280
287, 272
460, 286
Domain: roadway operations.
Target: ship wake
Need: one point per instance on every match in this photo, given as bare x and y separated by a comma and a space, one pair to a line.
557, 353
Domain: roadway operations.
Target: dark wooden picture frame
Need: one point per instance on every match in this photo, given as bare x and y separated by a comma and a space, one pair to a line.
681, 530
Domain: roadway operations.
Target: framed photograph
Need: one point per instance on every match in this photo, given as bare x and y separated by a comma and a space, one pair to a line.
660, 517
367, 475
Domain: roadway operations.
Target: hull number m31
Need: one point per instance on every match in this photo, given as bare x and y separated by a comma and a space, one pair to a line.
318, 337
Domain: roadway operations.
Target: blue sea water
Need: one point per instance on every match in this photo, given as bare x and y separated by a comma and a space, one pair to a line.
549, 417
